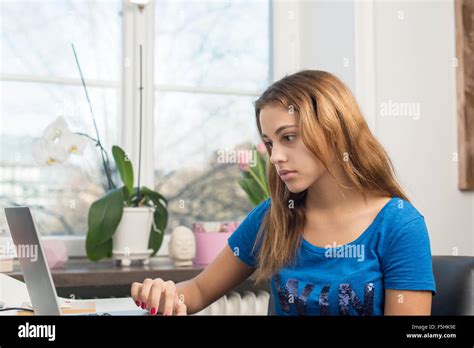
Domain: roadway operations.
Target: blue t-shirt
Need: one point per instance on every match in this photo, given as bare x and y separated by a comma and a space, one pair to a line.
392, 253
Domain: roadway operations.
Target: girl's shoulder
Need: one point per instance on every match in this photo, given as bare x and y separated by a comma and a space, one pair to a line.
261, 208
402, 224
399, 211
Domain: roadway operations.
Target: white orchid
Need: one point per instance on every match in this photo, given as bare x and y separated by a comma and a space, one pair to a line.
57, 143
47, 152
73, 143
56, 129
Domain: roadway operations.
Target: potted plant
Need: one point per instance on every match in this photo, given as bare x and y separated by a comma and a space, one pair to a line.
128, 222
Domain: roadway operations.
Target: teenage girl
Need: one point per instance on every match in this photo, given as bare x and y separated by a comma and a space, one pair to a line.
338, 235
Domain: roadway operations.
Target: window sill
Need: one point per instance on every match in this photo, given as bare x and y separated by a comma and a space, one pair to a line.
76, 245
80, 271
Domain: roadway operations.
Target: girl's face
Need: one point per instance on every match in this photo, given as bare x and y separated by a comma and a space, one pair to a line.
298, 167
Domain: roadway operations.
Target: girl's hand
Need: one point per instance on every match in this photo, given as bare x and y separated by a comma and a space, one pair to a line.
158, 296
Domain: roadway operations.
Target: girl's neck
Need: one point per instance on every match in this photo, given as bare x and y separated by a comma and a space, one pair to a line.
326, 198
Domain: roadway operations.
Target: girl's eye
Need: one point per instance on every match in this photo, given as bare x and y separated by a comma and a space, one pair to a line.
269, 144
289, 137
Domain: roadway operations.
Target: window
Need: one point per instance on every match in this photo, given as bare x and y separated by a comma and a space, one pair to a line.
212, 60
39, 82
208, 71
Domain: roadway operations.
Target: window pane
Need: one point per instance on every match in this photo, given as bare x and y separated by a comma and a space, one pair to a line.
36, 41
212, 43
37, 36
190, 130
59, 194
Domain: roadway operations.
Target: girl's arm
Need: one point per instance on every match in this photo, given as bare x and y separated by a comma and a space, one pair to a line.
407, 302
218, 278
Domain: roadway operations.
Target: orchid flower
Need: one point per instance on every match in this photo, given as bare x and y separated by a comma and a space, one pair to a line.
57, 143
47, 152
55, 130
73, 143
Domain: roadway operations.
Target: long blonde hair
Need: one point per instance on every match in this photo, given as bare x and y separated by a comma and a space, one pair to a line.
329, 119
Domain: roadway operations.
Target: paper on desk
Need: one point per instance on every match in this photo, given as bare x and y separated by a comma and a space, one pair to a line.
63, 302
12, 291
68, 306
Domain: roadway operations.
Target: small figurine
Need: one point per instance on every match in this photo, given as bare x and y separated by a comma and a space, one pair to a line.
182, 246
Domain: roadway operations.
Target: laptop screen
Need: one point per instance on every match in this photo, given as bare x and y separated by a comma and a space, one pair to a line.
32, 260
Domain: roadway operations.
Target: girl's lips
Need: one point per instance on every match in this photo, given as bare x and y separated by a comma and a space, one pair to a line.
288, 175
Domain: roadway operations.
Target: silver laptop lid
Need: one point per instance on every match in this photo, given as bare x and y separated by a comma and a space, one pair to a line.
32, 261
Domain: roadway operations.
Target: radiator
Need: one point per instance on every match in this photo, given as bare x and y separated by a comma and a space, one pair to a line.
234, 303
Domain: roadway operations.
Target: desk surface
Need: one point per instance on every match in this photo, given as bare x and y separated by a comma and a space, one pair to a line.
101, 305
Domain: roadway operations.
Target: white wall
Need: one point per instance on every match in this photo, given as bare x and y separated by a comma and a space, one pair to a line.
314, 34
327, 35
414, 63
399, 52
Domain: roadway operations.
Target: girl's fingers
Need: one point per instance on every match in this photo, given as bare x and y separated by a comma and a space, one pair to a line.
144, 293
156, 293
136, 287
180, 307
159, 297
170, 295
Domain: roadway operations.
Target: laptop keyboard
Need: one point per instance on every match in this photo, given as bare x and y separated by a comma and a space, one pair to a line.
100, 314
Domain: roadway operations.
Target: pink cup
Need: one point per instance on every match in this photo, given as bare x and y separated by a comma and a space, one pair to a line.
209, 241
209, 245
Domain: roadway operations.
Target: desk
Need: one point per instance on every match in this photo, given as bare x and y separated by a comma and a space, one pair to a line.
14, 293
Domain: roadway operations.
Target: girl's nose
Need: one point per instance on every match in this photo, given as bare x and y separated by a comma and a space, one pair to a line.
277, 156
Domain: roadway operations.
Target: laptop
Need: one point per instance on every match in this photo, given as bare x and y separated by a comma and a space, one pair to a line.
36, 273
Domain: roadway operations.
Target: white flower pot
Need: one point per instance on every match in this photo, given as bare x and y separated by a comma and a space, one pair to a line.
130, 240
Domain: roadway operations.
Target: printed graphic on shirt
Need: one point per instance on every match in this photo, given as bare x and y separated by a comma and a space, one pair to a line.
347, 298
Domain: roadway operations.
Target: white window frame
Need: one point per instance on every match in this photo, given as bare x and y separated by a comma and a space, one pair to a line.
365, 63
285, 36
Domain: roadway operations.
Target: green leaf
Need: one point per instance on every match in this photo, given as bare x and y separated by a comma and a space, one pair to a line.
160, 218
124, 166
253, 190
156, 239
154, 195
127, 197
245, 186
261, 169
104, 216
99, 251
